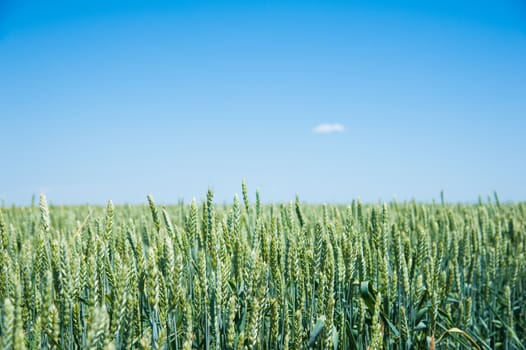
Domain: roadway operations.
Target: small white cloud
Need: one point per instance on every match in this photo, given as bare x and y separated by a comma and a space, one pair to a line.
328, 128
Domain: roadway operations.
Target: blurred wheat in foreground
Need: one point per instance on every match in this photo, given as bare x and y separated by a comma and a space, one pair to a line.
253, 276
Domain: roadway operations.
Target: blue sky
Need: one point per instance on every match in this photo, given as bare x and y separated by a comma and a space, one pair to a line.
118, 99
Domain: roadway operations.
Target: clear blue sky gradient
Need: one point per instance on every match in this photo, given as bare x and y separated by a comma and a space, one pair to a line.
118, 99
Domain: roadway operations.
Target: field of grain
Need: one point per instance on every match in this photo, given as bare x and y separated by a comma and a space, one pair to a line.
251, 276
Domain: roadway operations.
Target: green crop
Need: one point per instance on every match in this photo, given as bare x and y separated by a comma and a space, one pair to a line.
242, 276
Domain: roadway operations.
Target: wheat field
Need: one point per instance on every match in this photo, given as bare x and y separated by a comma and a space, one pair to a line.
252, 276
